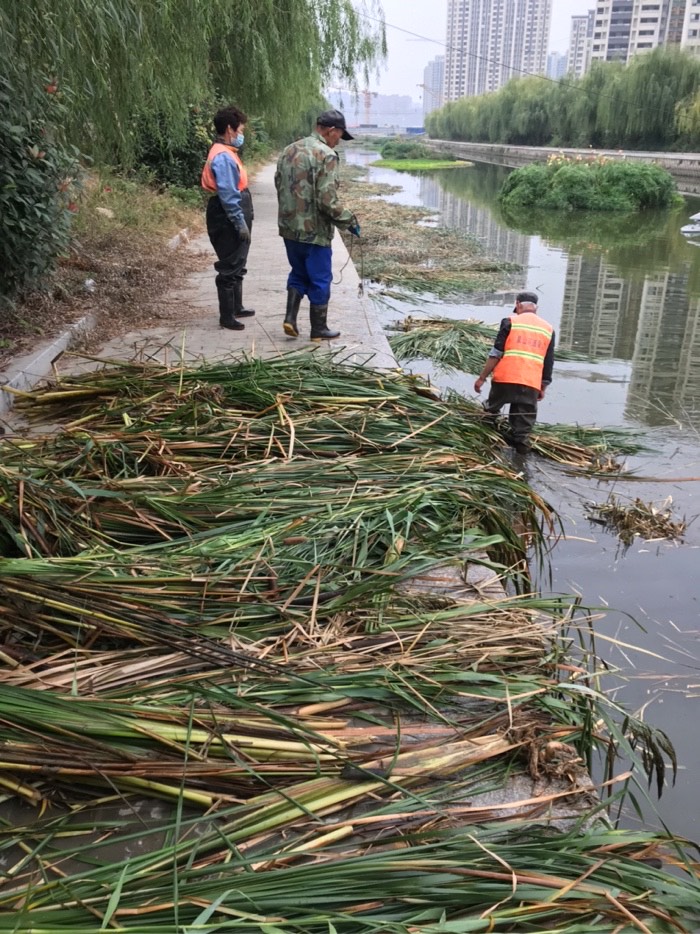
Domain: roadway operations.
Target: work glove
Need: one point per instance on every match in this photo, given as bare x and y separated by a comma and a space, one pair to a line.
243, 231
354, 229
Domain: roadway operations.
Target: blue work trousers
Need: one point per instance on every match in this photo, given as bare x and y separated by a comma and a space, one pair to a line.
311, 272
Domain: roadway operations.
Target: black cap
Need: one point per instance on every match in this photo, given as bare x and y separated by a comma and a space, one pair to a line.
532, 297
335, 119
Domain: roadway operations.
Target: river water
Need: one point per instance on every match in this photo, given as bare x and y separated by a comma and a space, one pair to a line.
625, 291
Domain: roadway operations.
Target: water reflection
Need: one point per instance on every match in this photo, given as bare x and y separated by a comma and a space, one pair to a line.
631, 287
461, 207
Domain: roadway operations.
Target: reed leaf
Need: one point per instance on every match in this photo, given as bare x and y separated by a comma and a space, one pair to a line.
453, 345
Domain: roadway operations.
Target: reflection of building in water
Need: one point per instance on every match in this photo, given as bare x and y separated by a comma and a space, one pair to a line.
430, 191
654, 323
600, 310
666, 364
498, 241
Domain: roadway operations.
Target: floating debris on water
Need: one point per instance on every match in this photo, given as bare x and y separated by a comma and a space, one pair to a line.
641, 519
396, 244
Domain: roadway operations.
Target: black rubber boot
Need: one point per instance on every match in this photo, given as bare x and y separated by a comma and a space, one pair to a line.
227, 319
238, 309
319, 328
290, 319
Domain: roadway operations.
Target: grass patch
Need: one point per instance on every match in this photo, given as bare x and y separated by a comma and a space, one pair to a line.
419, 165
145, 212
119, 240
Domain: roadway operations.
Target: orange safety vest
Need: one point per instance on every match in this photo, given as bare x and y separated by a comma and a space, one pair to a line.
208, 180
526, 348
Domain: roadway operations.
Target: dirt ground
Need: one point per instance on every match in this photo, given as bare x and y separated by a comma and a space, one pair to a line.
121, 278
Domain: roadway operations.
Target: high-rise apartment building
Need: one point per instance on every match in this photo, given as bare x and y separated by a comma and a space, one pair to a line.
676, 19
556, 65
625, 28
433, 83
580, 40
491, 41
611, 30
691, 27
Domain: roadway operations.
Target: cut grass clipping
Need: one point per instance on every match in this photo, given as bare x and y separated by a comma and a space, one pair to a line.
452, 345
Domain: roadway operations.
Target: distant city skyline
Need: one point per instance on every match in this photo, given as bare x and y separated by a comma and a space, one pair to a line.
409, 55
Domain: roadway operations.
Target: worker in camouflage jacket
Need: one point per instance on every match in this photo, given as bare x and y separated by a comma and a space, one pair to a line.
309, 211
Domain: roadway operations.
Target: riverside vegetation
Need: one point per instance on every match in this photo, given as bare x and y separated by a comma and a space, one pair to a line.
597, 184
653, 103
213, 591
406, 254
414, 157
134, 87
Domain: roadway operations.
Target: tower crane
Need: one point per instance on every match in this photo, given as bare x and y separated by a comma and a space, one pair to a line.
367, 96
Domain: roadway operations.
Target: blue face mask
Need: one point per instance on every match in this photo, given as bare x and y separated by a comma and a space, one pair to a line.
238, 141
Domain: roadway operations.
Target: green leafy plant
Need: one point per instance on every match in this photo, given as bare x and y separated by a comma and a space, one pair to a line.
38, 181
599, 184
174, 158
395, 150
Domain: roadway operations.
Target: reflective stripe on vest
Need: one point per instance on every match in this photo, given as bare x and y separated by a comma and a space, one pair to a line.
208, 180
526, 348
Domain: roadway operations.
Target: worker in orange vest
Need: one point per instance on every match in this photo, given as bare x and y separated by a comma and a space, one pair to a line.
521, 361
229, 214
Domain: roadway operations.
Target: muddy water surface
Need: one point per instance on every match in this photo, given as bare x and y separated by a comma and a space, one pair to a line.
627, 292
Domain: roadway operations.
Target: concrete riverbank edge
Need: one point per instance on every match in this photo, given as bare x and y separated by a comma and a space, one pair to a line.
362, 342
683, 166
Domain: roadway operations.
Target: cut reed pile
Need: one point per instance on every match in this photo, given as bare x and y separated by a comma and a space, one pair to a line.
453, 345
202, 599
462, 345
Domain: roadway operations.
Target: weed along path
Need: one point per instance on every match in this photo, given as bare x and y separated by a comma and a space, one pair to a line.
290, 597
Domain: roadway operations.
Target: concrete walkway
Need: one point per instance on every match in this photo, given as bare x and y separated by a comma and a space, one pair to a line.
200, 338
362, 339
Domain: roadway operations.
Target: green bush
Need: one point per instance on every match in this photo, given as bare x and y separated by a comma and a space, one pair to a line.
176, 162
395, 150
565, 184
38, 173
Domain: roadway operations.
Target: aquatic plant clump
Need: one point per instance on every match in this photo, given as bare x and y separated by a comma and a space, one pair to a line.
638, 518
419, 165
400, 151
598, 184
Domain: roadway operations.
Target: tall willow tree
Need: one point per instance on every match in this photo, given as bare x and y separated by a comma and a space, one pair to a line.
652, 103
115, 59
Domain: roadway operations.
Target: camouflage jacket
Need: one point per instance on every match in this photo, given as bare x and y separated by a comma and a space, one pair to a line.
307, 192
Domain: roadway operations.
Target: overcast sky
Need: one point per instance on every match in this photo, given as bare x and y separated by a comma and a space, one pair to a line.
408, 56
